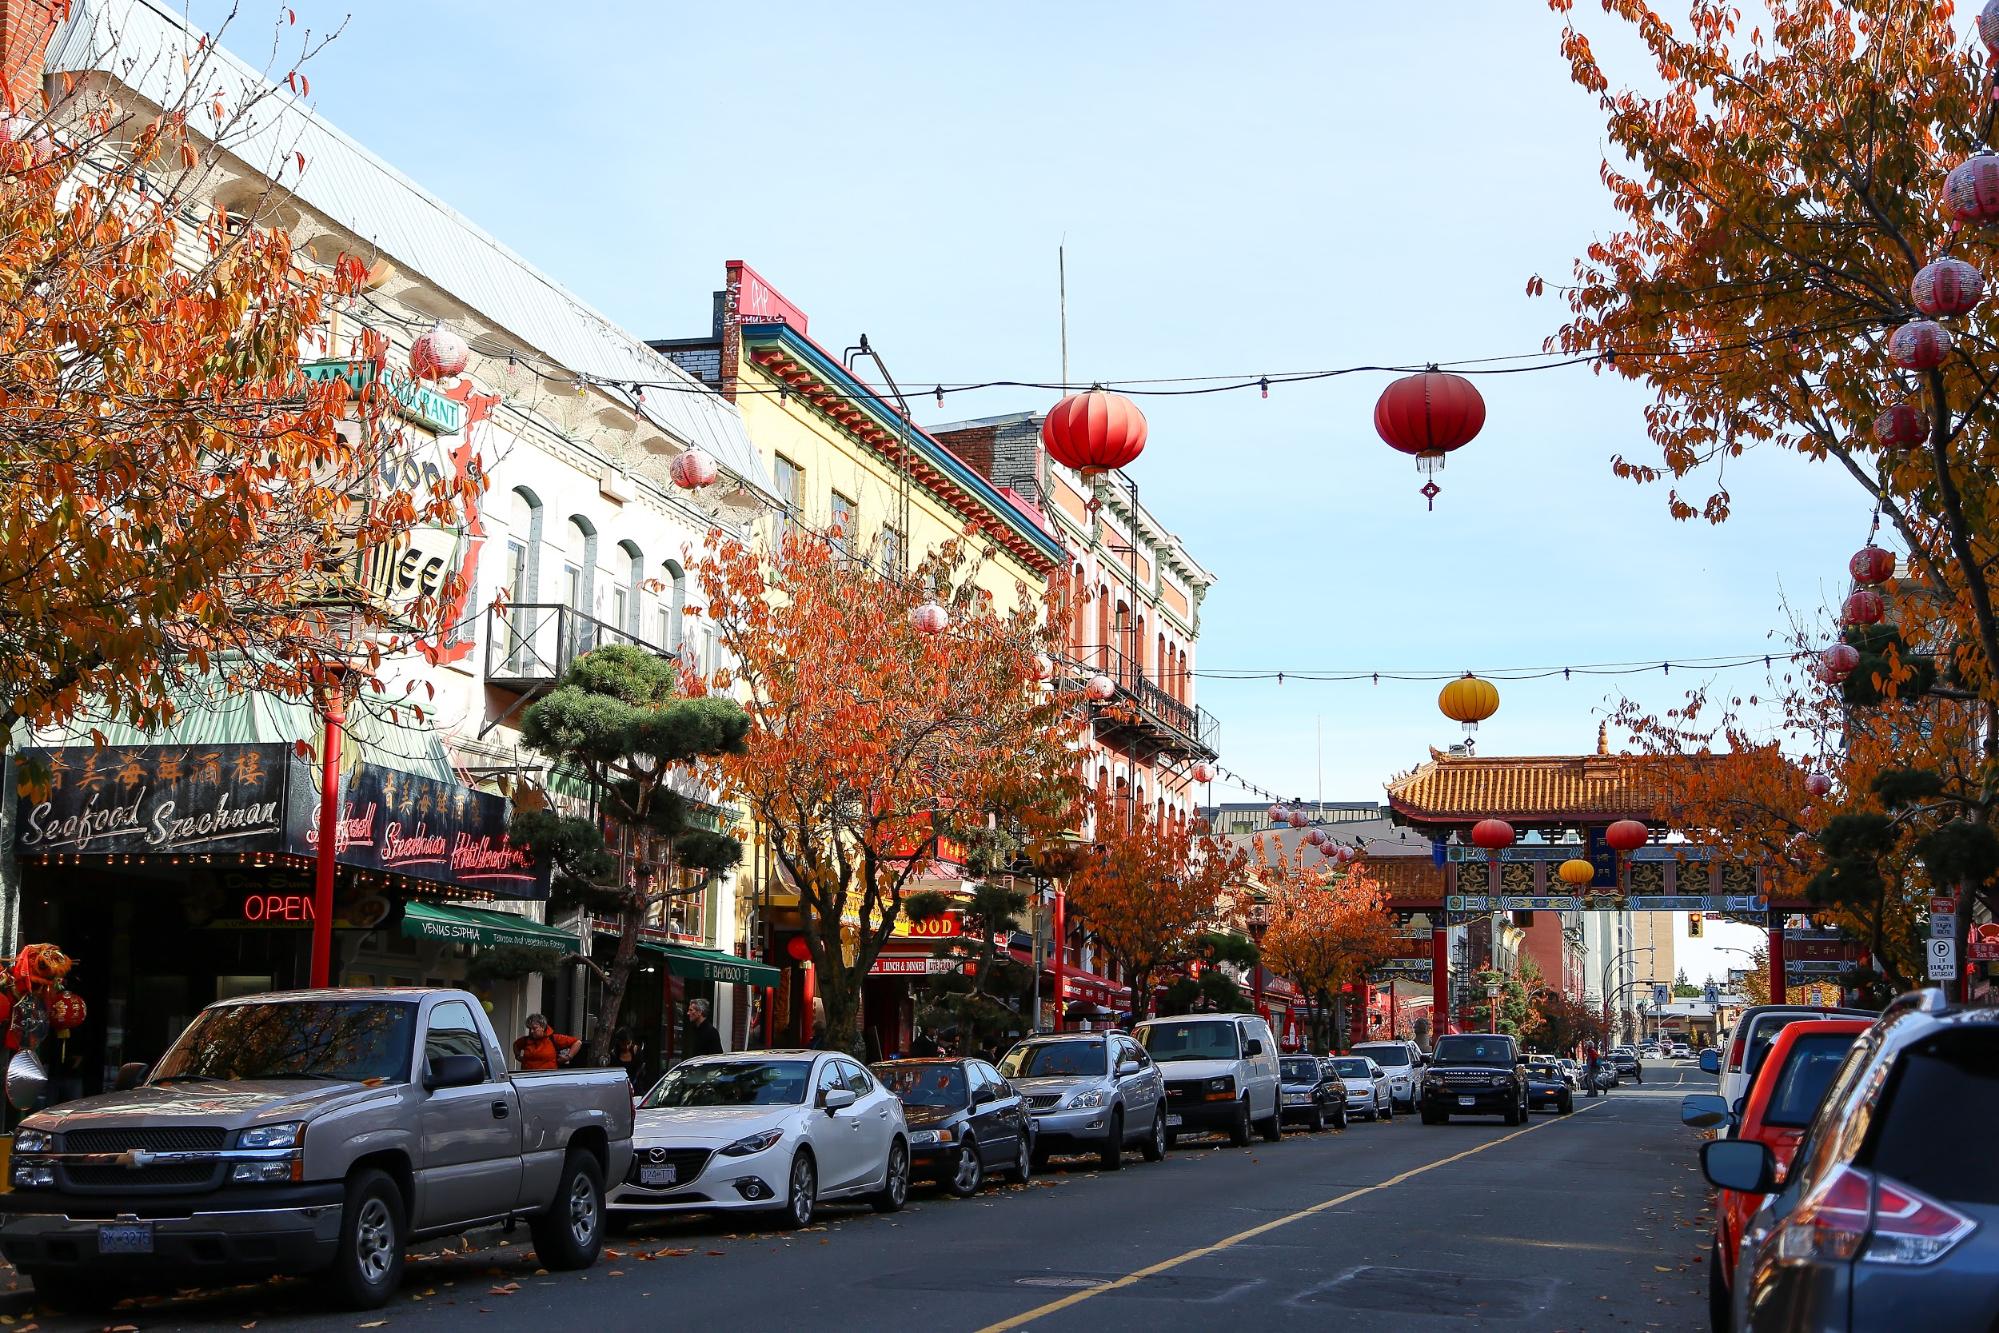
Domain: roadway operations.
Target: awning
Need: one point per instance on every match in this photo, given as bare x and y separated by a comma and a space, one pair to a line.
698, 964
473, 925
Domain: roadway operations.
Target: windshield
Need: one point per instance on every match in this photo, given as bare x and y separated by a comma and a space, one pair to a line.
1470, 1050
925, 1085
1352, 1068
1544, 1070
1300, 1070
733, 1083
1805, 1077
360, 1041
1170, 1043
1385, 1056
1054, 1059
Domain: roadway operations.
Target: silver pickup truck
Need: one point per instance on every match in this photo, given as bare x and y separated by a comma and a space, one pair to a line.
313, 1131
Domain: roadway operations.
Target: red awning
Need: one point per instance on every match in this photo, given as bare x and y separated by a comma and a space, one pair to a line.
1077, 983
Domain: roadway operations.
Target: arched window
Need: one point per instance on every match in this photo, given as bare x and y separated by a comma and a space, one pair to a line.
1079, 611
1102, 646
673, 608
521, 577
628, 591
579, 582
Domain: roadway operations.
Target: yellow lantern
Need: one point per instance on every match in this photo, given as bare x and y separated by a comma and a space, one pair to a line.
1468, 700
1576, 872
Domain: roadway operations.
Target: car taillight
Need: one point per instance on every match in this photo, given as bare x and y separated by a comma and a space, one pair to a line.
1854, 1214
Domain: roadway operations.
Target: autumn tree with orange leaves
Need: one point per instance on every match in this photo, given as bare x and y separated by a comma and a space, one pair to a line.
1782, 203
1148, 886
1329, 927
873, 744
181, 501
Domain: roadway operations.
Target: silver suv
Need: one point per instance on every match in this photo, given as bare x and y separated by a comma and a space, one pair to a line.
1090, 1092
1402, 1062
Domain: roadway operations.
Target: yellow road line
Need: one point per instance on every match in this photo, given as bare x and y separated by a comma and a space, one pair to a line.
1129, 1279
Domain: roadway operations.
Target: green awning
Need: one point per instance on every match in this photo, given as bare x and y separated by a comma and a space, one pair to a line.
697, 964
473, 925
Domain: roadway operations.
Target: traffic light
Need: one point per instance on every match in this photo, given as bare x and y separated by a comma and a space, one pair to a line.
1694, 925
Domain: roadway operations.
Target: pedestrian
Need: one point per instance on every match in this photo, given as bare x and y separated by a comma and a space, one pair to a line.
923, 1046
817, 1041
625, 1053
702, 1038
543, 1047
1590, 1067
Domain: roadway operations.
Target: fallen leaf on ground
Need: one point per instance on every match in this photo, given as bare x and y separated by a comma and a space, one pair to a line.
373, 1323
504, 1289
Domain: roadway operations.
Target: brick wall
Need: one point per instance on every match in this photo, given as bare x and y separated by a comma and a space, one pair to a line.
25, 29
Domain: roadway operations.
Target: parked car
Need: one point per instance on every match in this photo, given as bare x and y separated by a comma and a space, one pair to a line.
1782, 1098
1679, 1050
1624, 1060
1402, 1061
312, 1132
1757, 1027
1221, 1073
1366, 1084
1474, 1074
1548, 1088
964, 1120
768, 1131
1090, 1092
1313, 1094
1889, 1215
1571, 1071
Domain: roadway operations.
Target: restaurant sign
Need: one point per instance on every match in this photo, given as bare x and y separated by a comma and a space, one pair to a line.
154, 799
404, 824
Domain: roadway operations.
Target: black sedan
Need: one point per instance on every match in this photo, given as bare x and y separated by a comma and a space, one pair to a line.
1548, 1088
1312, 1092
964, 1118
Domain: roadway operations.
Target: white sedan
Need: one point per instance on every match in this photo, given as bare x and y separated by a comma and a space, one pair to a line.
776, 1130
1368, 1089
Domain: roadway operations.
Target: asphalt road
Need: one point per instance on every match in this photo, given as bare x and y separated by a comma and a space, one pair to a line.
1590, 1221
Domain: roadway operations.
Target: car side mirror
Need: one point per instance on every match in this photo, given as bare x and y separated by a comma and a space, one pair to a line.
1255, 1048
453, 1071
1127, 1067
1704, 1110
1381, 1073
980, 1096
835, 1099
1710, 1061
130, 1075
1739, 1164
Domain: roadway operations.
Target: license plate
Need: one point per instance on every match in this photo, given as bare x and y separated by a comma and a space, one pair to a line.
1172, 1122
658, 1175
125, 1238
1467, 1101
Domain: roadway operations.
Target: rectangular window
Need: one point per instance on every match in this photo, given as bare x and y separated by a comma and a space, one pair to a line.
790, 479
840, 523
891, 551
663, 637
621, 607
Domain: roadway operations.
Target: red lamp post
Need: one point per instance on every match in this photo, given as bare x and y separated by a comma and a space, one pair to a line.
333, 713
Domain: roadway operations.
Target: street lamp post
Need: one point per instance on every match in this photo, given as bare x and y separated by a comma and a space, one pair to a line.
1622, 954
1492, 989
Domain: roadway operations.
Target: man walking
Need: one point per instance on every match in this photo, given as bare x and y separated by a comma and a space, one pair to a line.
702, 1038
1590, 1067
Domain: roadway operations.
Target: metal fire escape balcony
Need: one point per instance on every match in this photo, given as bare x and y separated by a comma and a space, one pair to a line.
530, 645
1141, 714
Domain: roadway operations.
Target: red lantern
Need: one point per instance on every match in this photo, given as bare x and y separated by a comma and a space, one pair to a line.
1204, 772
930, 618
1344, 854
1098, 688
1818, 782
1971, 191
1278, 813
1839, 661
1945, 287
1627, 835
1298, 819
438, 354
1902, 426
1043, 669
1492, 834
1429, 415
693, 470
67, 1012
1865, 607
799, 950
1988, 26
1317, 837
1921, 344
1871, 565
1094, 432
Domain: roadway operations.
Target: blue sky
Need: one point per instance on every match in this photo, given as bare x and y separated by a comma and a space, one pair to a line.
1240, 189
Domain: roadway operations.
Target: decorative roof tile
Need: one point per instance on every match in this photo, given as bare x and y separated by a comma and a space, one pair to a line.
1586, 788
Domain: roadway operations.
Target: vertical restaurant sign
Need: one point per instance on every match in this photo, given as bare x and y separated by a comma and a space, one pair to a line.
155, 799
404, 824
757, 302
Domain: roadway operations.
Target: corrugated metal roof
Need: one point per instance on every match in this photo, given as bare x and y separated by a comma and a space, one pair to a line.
139, 42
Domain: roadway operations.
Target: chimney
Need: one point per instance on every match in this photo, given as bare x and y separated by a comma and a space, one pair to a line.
25, 29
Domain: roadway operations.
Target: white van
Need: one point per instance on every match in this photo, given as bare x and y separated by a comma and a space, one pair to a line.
1221, 1073
1402, 1062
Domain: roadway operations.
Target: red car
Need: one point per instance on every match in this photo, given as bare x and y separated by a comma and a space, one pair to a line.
1794, 1071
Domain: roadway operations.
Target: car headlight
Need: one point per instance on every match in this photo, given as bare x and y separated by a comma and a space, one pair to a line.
32, 1140
1094, 1097
1501, 1080
284, 1135
1221, 1085
261, 1173
750, 1143
927, 1136
32, 1175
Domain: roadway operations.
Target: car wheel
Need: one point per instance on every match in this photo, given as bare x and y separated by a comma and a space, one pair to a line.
970, 1172
368, 1260
1340, 1117
1155, 1143
1111, 1156
1512, 1116
895, 1185
1023, 1160
1041, 1158
801, 1199
1720, 1314
571, 1233
1568, 1105
1239, 1127
1273, 1128
1317, 1123
1388, 1111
